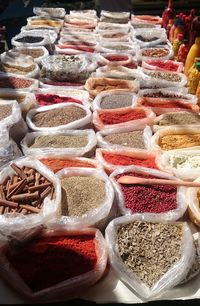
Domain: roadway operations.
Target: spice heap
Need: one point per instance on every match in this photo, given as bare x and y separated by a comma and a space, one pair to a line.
164, 65
108, 117
59, 141
34, 52
179, 141
25, 191
155, 52
134, 139
116, 101
14, 82
58, 116
30, 39
5, 111
149, 250
65, 257
164, 75
179, 118
80, 194
148, 198
49, 99
165, 103
183, 161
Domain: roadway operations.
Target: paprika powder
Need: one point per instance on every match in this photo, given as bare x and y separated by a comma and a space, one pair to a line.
49, 99
108, 117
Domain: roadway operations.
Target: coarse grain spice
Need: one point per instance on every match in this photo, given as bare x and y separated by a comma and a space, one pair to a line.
57, 164
145, 39
5, 111
35, 53
155, 52
119, 117
60, 141
160, 94
164, 75
81, 194
65, 257
58, 116
179, 141
148, 249
14, 82
148, 198
134, 139
116, 101
179, 118
30, 39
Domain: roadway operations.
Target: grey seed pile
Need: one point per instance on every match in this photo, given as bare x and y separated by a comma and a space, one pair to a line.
60, 141
129, 139
116, 101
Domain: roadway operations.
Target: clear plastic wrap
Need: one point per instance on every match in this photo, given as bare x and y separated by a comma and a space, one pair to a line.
156, 20
76, 124
170, 215
115, 15
150, 38
68, 287
170, 279
86, 151
96, 217
85, 22
75, 49
55, 12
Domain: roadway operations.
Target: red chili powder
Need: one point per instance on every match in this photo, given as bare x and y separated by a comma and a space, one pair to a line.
168, 65
148, 102
58, 164
118, 117
47, 261
48, 99
148, 198
112, 58
117, 159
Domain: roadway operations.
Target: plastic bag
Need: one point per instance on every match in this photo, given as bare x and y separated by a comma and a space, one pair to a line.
170, 215
86, 151
97, 217
47, 37
193, 204
114, 36
102, 143
114, 59
116, 72
12, 221
156, 20
106, 26
8, 153
49, 84
83, 22
74, 49
15, 113
115, 15
12, 81
77, 124
55, 12
163, 65
134, 123
150, 38
110, 47
96, 104
158, 52
44, 21
38, 53
174, 274
76, 38
81, 13
67, 287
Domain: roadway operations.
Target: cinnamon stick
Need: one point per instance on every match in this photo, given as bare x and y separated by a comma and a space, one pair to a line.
25, 196
19, 171
39, 187
7, 203
45, 193
20, 186
30, 208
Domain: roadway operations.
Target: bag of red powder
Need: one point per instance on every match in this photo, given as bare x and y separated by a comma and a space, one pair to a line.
164, 202
74, 261
120, 238
134, 117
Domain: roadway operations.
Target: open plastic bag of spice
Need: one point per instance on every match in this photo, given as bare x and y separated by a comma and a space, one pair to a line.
16, 82
114, 59
116, 72
74, 49
38, 53
88, 39
107, 26
176, 138
47, 83
125, 137
114, 36
54, 279
164, 202
106, 47
59, 116
40, 21
10, 112
112, 159
193, 200
184, 164
20, 209
106, 100
163, 65
85, 12
87, 198
158, 52
150, 38
55, 12
156, 20
65, 143
167, 251
34, 38
135, 117
86, 22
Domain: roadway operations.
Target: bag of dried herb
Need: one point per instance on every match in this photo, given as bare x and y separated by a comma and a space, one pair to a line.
70, 143
149, 256
87, 198
58, 117
134, 117
164, 202
30, 195
74, 260
125, 137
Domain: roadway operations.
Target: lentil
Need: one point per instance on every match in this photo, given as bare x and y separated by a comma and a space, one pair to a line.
129, 139
155, 52
65, 257
163, 75
149, 249
49, 99
30, 39
14, 82
5, 111
179, 118
179, 141
56, 164
58, 116
59, 141
148, 198
116, 101
80, 194
119, 117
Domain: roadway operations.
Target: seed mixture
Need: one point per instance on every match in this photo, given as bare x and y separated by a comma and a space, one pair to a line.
179, 141
80, 194
60, 141
149, 250
155, 52
30, 39
58, 116
5, 111
116, 101
129, 139
178, 118
35, 53
163, 75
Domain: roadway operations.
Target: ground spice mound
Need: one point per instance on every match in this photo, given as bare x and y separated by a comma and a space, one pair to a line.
179, 141
5, 111
148, 198
129, 139
60, 141
149, 249
57, 164
58, 116
125, 160
80, 194
47, 261
115, 118
164, 103
177, 118
116, 101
